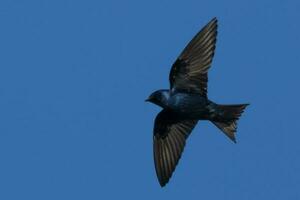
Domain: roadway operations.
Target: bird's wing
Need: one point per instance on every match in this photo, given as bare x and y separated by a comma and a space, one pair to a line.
169, 139
189, 72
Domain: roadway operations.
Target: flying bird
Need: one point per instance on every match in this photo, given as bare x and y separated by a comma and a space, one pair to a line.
186, 102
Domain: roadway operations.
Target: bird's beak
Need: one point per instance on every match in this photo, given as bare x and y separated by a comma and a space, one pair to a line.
147, 100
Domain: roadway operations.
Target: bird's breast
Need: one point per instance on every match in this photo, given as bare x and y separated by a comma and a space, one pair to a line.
189, 105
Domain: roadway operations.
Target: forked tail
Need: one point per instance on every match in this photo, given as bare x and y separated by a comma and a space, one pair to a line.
227, 118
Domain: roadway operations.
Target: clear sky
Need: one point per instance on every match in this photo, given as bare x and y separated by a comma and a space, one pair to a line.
74, 76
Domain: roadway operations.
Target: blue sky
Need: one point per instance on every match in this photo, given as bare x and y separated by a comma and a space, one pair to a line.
74, 76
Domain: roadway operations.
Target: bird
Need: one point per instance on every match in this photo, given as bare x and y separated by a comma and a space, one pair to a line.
186, 102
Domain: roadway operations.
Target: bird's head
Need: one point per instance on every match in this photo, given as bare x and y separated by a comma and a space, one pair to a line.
159, 97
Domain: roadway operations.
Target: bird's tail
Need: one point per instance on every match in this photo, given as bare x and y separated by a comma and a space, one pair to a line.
228, 116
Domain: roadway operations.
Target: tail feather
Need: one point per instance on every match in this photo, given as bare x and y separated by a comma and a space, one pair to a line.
228, 117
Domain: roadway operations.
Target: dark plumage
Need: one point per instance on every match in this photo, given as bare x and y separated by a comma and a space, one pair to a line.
186, 102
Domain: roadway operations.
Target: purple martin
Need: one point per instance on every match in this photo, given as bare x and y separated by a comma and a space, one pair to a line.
186, 102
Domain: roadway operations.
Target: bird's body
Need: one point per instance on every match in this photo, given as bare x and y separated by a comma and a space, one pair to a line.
186, 102
187, 106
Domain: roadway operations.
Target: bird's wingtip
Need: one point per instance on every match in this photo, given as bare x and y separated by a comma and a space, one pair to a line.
214, 19
163, 183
